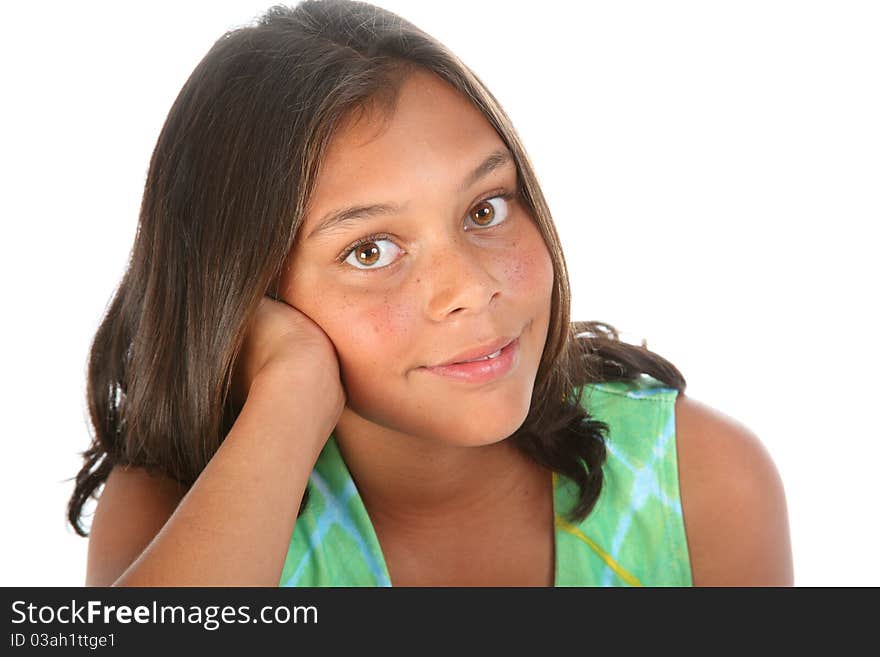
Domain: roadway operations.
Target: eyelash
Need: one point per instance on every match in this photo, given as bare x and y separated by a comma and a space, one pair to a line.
506, 195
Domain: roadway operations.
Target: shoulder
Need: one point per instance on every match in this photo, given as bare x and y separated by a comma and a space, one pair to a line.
733, 501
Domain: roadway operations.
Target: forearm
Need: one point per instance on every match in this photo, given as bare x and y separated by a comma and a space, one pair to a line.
234, 525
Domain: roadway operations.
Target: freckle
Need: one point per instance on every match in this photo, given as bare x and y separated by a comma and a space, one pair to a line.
518, 271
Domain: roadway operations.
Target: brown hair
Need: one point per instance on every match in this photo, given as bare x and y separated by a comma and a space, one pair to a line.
225, 195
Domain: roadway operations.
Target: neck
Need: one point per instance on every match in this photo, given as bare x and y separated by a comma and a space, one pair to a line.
415, 484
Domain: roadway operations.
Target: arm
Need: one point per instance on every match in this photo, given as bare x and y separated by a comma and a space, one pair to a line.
733, 502
133, 507
233, 527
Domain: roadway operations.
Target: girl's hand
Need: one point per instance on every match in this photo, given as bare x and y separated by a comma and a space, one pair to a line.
283, 344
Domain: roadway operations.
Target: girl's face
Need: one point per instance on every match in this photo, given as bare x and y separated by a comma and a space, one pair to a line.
453, 263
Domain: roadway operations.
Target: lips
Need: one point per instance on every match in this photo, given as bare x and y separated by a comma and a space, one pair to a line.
479, 352
481, 371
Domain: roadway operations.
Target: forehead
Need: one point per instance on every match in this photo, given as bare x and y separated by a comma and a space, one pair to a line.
432, 137
427, 108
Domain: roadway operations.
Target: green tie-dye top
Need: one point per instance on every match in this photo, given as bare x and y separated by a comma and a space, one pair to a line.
634, 536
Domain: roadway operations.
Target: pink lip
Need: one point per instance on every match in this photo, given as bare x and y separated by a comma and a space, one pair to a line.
477, 352
481, 371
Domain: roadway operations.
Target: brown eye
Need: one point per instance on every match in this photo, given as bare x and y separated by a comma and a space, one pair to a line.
367, 254
483, 214
487, 214
372, 252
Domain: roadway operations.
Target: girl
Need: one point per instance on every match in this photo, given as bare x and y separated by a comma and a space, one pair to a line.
342, 354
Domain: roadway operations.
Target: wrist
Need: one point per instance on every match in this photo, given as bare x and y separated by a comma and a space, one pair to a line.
307, 399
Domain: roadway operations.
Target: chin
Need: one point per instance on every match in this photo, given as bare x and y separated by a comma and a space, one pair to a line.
484, 433
456, 417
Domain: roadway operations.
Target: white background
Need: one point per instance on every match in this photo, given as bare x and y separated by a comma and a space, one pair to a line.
712, 167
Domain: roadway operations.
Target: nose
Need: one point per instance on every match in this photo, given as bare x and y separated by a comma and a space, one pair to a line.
461, 279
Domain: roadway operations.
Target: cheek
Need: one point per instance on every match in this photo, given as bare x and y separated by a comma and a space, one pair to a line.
369, 329
371, 336
528, 270
386, 321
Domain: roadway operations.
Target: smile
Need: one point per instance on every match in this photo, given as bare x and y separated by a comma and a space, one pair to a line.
481, 370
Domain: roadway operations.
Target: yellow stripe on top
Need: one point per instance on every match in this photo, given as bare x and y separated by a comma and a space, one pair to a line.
625, 575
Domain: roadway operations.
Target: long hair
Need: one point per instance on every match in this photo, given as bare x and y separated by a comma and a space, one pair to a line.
228, 184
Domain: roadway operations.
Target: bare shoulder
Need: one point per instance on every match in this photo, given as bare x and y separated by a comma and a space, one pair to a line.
733, 501
133, 506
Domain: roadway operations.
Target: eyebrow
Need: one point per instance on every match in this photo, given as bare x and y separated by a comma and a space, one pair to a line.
344, 217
